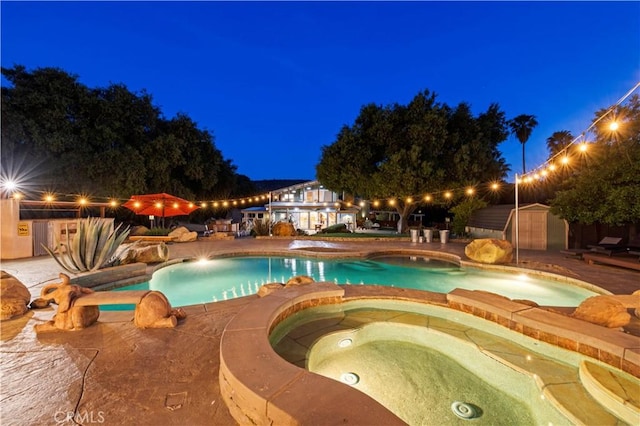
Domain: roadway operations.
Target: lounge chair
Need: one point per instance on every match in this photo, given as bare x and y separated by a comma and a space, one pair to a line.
608, 246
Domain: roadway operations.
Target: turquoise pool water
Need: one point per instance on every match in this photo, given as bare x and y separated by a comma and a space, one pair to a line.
227, 278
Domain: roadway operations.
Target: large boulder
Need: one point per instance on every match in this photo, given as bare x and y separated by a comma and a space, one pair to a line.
603, 310
183, 235
150, 253
284, 229
489, 250
14, 297
154, 311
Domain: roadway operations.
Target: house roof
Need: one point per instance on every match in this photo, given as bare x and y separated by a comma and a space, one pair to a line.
496, 217
492, 217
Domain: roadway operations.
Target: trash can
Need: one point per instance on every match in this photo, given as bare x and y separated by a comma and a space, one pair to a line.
414, 235
428, 235
444, 236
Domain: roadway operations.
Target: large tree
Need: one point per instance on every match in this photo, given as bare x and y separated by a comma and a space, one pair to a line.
405, 151
559, 141
65, 137
606, 189
522, 126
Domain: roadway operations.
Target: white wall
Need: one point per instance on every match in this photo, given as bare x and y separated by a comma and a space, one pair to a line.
16, 235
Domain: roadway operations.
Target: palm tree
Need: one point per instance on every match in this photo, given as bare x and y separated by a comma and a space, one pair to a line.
559, 141
521, 127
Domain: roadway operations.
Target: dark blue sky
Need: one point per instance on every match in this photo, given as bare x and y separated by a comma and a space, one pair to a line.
273, 82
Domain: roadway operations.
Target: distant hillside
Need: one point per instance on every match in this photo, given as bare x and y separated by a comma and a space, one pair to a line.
272, 184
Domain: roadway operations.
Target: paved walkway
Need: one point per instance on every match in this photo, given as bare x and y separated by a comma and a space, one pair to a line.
114, 373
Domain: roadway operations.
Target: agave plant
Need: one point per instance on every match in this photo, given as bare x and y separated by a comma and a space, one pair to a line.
94, 246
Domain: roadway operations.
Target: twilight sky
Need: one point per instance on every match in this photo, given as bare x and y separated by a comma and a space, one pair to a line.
274, 81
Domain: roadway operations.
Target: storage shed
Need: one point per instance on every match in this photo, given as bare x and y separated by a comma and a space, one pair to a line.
539, 228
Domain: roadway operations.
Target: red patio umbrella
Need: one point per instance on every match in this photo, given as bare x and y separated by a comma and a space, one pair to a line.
161, 205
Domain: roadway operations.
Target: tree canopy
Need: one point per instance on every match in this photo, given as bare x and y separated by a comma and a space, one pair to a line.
69, 138
409, 150
604, 186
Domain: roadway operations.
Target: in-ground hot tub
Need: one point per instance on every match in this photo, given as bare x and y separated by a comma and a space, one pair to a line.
355, 339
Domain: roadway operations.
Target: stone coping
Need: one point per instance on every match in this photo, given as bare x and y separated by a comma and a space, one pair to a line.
260, 387
609, 346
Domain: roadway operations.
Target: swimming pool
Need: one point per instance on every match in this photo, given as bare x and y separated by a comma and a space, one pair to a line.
219, 279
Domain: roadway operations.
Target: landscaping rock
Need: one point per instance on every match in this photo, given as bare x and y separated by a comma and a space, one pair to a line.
14, 297
490, 251
299, 280
152, 253
603, 310
267, 289
182, 235
284, 229
139, 230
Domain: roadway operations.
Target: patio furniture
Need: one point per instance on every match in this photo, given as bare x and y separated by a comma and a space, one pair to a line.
608, 246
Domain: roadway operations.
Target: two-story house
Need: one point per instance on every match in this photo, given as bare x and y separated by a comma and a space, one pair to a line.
308, 205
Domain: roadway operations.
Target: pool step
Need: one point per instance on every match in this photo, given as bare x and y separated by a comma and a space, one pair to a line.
616, 390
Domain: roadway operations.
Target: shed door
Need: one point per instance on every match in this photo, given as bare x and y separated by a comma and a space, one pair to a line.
533, 230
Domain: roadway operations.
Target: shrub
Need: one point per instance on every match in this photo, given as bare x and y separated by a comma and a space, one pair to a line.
94, 246
462, 213
158, 232
338, 228
260, 227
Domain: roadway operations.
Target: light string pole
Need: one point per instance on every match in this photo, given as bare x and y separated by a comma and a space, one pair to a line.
517, 224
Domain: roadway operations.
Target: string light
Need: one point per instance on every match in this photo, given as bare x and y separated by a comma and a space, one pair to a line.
613, 126
562, 157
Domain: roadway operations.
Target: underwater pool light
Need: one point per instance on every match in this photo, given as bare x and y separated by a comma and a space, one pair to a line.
350, 378
344, 343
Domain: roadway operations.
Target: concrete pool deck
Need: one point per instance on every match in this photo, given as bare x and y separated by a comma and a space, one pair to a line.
113, 373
